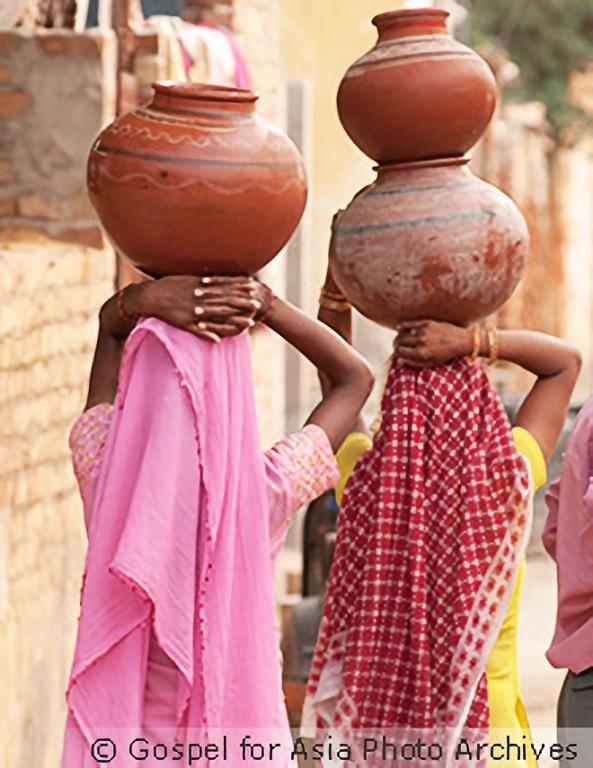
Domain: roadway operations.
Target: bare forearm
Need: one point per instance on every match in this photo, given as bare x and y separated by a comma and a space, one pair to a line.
321, 346
113, 321
347, 376
538, 353
105, 369
556, 365
341, 323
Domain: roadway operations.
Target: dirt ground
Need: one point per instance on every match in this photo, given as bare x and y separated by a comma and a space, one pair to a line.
539, 681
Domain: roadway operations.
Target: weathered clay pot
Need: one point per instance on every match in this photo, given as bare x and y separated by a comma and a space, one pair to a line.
197, 183
429, 240
418, 93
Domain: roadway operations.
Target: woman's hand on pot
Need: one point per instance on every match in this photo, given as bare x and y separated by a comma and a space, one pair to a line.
428, 343
209, 307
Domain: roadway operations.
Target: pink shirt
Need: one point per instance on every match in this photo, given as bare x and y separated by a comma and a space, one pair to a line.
298, 469
568, 539
180, 634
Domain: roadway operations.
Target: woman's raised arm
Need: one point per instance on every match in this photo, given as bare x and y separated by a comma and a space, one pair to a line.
347, 377
556, 364
210, 308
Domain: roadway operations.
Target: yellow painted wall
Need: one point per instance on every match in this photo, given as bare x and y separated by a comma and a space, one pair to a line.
319, 40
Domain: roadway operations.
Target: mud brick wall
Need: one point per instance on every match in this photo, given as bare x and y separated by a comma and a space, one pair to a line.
57, 89
49, 297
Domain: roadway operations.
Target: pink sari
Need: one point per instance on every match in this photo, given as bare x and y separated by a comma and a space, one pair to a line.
178, 556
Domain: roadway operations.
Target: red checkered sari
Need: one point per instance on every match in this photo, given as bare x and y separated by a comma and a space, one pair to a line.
430, 535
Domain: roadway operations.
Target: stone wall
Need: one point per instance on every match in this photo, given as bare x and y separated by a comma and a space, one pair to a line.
49, 296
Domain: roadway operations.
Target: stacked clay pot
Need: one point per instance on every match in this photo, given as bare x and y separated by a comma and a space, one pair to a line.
427, 238
197, 183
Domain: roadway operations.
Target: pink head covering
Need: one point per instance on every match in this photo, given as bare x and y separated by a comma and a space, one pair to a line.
179, 542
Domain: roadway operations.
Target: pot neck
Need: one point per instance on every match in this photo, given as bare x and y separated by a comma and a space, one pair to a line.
389, 169
411, 23
198, 98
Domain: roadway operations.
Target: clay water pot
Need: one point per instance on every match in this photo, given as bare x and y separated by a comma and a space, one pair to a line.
418, 93
429, 240
197, 183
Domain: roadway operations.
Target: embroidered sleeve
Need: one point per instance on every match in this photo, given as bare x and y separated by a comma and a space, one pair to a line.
298, 469
87, 440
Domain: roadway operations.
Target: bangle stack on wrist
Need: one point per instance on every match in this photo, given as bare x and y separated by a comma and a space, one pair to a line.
493, 343
476, 343
334, 300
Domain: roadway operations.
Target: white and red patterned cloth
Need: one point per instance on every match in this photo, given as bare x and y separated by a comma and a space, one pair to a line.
429, 539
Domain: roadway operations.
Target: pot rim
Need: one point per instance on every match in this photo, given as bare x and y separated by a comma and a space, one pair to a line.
439, 15
205, 92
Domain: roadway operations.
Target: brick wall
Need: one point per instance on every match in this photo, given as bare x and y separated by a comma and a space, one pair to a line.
56, 91
49, 297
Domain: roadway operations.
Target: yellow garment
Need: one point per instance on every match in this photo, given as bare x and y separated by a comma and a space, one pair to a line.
507, 710
351, 450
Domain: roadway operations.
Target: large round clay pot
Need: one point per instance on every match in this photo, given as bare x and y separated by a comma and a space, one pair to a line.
197, 183
418, 93
429, 240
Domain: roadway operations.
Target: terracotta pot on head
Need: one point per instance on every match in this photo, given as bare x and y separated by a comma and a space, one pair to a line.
197, 183
427, 239
419, 93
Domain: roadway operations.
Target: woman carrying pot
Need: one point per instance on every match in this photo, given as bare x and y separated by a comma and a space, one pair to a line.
419, 630
185, 514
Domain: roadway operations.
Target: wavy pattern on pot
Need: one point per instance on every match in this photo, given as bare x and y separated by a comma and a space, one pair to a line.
197, 183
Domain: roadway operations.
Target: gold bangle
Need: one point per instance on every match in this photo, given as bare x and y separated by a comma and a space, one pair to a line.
493, 344
477, 338
336, 306
123, 313
332, 295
